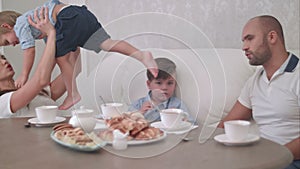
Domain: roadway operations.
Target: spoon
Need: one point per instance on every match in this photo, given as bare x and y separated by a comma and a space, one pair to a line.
27, 125
103, 100
186, 139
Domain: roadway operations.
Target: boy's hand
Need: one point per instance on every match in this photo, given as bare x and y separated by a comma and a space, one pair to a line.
145, 107
21, 80
41, 21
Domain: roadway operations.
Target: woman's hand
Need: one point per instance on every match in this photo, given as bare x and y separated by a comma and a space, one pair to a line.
41, 22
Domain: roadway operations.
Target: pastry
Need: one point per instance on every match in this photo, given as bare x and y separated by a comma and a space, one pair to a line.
62, 126
107, 135
149, 133
132, 122
68, 134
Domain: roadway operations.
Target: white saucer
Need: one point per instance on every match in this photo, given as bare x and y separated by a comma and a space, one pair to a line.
222, 138
183, 126
37, 122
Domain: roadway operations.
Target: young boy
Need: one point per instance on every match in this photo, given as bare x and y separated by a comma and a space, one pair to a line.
75, 27
161, 92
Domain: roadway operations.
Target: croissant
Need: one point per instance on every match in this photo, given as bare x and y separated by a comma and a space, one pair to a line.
107, 135
132, 122
149, 133
71, 135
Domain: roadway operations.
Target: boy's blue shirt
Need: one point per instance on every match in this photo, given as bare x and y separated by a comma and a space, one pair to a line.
25, 32
153, 114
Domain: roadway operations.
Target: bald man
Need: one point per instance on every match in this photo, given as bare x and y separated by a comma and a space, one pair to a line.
272, 95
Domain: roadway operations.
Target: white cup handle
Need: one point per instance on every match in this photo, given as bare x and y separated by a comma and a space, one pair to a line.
185, 115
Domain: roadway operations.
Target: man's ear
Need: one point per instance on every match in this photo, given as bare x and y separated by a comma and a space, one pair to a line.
272, 37
5, 25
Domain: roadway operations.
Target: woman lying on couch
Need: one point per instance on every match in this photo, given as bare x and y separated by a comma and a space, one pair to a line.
21, 102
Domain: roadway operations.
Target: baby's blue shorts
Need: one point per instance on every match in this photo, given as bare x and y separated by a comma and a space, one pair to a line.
76, 27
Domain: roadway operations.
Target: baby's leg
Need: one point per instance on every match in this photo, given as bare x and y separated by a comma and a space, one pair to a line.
75, 60
147, 59
58, 87
67, 69
125, 48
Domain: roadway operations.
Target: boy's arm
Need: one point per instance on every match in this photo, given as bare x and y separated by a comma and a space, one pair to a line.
146, 106
28, 60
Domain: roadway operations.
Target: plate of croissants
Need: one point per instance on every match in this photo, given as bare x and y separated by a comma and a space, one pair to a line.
138, 129
75, 138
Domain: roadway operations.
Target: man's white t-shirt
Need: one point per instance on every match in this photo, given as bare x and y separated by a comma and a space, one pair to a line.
275, 103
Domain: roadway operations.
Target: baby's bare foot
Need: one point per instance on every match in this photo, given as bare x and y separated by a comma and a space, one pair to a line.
149, 63
69, 102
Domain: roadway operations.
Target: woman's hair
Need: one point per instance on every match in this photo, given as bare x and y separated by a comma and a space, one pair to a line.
5, 91
2, 92
166, 68
8, 17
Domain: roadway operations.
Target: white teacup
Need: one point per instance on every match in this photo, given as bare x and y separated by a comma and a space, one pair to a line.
46, 114
236, 130
110, 110
171, 118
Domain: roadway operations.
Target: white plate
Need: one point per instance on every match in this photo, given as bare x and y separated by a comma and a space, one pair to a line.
37, 122
183, 126
222, 138
139, 142
100, 124
78, 147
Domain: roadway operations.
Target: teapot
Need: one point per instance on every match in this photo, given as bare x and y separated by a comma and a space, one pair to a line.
83, 118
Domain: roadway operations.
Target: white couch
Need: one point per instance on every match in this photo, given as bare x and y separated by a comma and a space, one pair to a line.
209, 80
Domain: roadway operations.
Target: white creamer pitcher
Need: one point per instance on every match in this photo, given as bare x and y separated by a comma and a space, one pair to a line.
83, 118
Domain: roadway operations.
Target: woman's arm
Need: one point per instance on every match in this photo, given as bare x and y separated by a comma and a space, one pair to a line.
42, 75
28, 60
